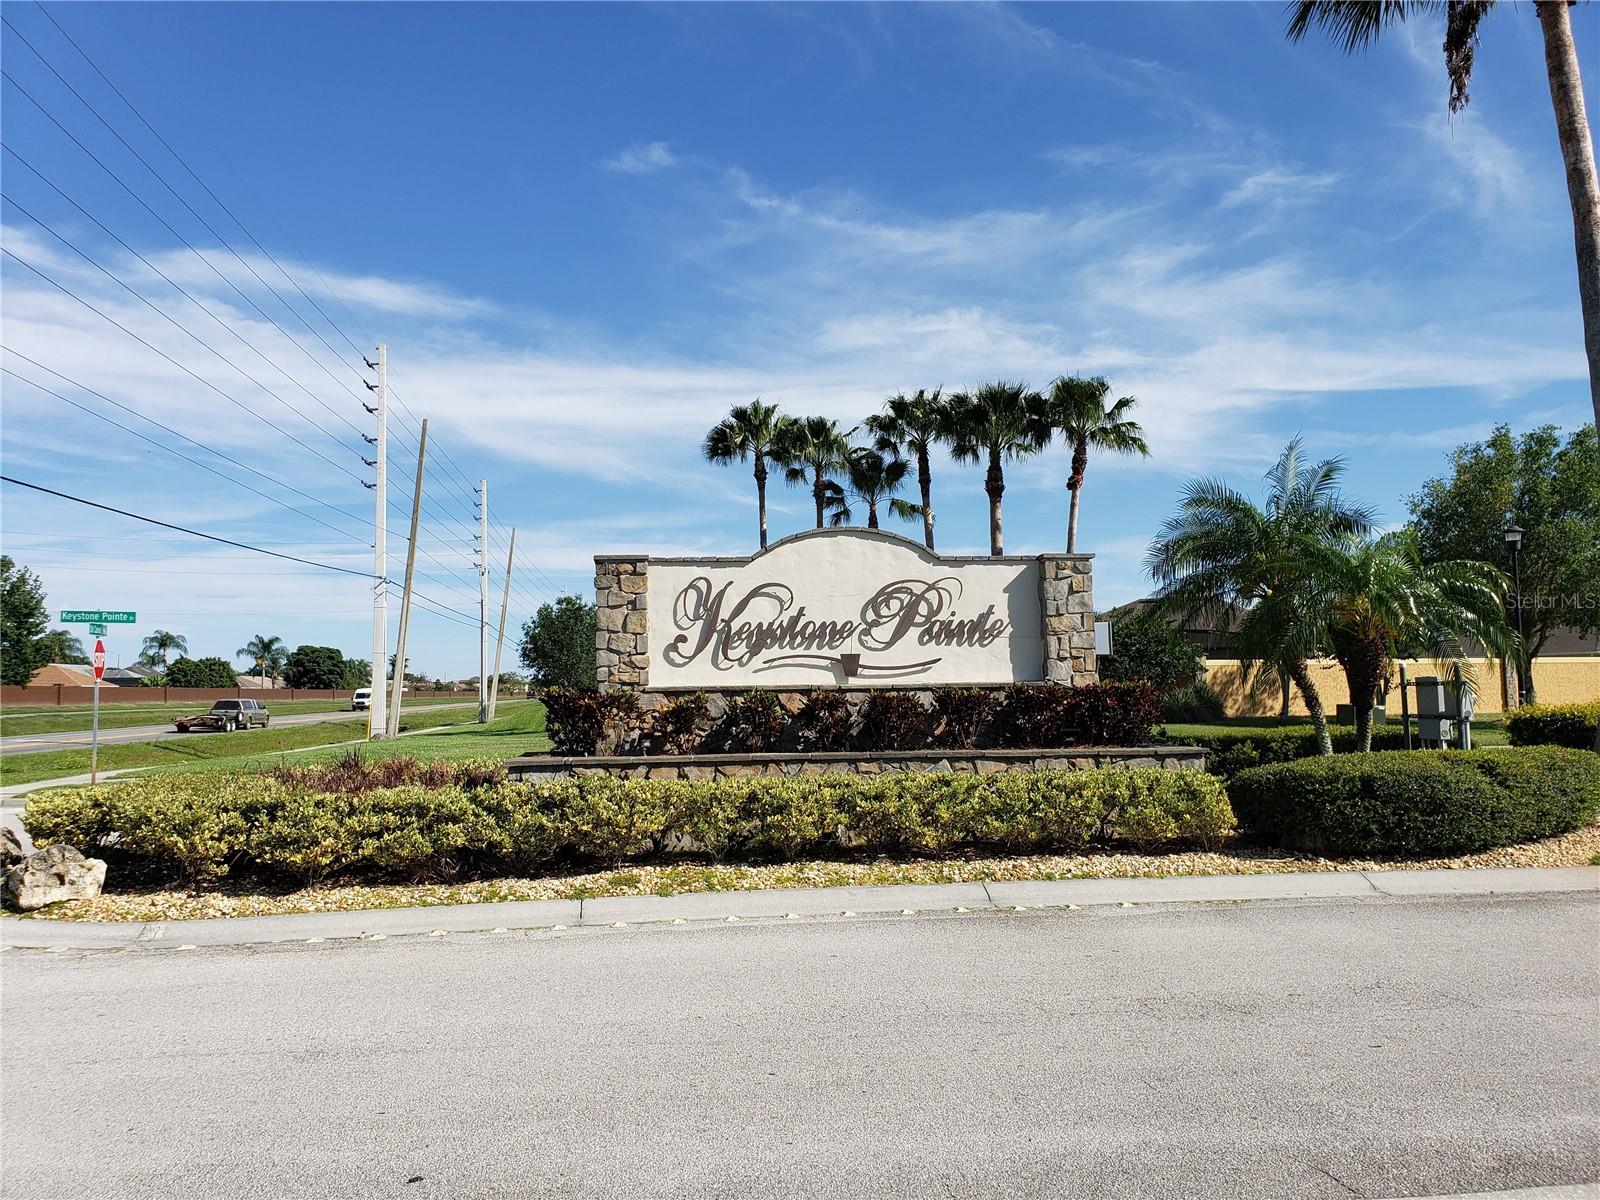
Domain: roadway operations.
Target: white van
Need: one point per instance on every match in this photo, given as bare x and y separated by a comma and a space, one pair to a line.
362, 699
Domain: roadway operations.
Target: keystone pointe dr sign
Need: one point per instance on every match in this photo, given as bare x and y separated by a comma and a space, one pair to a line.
851, 608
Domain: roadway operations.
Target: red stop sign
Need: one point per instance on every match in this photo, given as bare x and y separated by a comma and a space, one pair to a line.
99, 659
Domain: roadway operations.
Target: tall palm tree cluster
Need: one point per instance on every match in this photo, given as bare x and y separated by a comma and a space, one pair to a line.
988, 426
1309, 576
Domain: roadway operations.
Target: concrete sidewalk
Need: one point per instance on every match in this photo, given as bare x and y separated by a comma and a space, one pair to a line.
24, 933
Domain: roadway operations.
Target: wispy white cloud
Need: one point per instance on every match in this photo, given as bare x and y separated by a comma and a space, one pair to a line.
1277, 184
642, 158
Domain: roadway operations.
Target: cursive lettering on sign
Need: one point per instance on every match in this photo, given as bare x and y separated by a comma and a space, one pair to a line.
734, 631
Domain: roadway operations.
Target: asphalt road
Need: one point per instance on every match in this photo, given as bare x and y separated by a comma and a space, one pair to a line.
1380, 1048
78, 739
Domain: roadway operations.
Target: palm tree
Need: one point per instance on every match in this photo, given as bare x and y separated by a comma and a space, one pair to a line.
269, 654
909, 427
1357, 23
873, 479
1078, 412
995, 422
809, 449
748, 431
160, 644
1222, 552
1380, 600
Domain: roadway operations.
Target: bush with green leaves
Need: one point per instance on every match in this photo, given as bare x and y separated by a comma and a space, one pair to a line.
1231, 751
195, 828
1147, 646
201, 673
1554, 725
1419, 802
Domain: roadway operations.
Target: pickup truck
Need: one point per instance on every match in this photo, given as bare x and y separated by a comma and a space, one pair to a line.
227, 715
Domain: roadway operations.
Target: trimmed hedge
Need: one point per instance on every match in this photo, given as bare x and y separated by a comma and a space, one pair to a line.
1554, 725
199, 827
1419, 803
1229, 753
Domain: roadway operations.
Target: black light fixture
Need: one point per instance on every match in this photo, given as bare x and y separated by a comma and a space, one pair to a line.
1513, 535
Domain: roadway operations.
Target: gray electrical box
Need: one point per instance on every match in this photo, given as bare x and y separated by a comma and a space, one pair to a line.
1444, 710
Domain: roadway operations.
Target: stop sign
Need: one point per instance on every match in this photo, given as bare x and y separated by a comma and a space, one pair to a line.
99, 659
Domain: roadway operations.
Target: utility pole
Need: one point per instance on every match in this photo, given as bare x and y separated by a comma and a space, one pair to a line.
377, 712
392, 729
483, 602
500, 641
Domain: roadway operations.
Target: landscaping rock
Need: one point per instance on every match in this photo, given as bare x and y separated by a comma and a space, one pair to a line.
53, 874
11, 851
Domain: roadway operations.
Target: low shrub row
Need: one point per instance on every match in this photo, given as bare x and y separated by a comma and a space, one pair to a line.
1554, 725
1228, 753
1419, 803
1022, 716
199, 827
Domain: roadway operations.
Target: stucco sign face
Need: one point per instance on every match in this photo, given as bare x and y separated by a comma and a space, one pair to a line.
843, 608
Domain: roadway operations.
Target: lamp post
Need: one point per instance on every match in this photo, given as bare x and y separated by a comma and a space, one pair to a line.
1513, 536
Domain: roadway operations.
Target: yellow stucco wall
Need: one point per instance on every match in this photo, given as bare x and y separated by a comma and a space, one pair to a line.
1555, 680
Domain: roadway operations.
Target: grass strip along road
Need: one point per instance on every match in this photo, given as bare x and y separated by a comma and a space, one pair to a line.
21, 722
263, 747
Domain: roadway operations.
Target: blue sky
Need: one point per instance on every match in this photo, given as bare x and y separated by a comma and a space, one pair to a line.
585, 231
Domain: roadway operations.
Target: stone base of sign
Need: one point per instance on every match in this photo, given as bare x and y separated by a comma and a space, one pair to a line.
622, 639
854, 762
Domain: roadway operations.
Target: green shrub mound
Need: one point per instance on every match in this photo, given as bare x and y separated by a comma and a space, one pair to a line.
1229, 753
386, 825
1419, 803
1554, 725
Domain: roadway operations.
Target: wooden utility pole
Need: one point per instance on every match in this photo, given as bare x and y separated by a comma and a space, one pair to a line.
500, 640
376, 708
393, 727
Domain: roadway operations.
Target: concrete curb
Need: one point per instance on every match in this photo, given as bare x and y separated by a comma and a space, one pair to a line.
787, 903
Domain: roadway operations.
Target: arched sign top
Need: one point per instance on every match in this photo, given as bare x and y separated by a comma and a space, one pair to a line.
851, 533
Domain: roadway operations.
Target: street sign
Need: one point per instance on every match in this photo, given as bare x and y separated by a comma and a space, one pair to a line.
99, 659
97, 629
90, 616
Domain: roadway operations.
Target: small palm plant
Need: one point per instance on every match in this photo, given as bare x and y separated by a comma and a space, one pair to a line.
159, 645
910, 427
810, 450
992, 423
1222, 551
1079, 413
268, 653
873, 480
748, 431
1380, 600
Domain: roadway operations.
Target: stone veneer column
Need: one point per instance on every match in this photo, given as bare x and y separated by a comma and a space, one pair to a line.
1066, 605
622, 640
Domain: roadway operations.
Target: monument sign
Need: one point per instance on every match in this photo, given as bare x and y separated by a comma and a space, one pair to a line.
843, 607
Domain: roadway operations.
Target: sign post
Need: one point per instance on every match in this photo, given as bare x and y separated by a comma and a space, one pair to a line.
97, 619
94, 736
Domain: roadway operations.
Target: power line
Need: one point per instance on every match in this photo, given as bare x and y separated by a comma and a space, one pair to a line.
163, 181
154, 349
160, 446
176, 324
201, 445
167, 225
210, 537
179, 288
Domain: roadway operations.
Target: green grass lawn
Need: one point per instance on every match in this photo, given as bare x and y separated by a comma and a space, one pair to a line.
518, 729
19, 722
233, 751
1488, 730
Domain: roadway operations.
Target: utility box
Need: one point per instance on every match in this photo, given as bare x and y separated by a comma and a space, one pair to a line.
1345, 714
1434, 723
